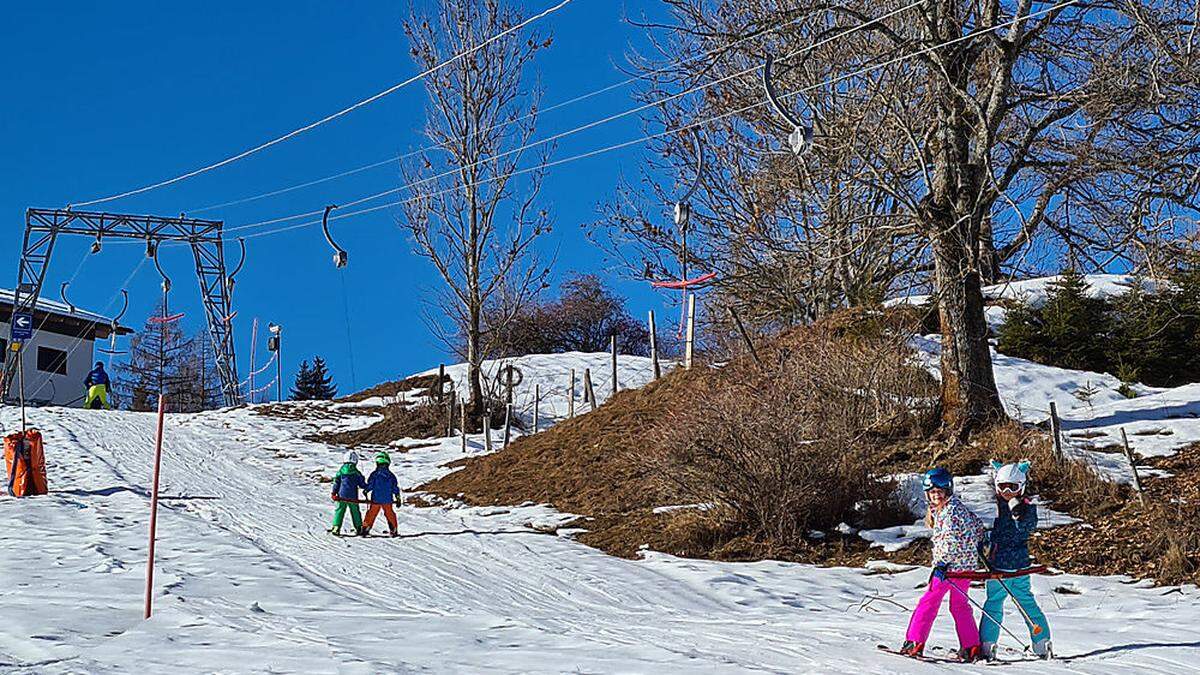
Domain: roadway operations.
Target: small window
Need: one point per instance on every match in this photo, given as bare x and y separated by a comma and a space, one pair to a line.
52, 360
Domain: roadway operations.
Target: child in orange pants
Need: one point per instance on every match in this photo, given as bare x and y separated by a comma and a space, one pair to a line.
384, 490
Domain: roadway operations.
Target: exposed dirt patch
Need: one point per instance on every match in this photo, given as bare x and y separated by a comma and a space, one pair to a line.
594, 465
1158, 541
308, 412
425, 383
580, 465
399, 421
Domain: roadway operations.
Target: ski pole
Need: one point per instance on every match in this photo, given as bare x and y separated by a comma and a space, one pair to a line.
1034, 627
989, 616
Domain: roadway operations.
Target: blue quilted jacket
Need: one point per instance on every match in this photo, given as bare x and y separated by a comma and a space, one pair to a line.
1010, 535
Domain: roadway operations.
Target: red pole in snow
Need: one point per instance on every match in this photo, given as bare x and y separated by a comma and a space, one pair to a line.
154, 506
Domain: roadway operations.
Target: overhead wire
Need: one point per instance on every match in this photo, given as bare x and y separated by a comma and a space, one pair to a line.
583, 127
328, 118
542, 111
642, 139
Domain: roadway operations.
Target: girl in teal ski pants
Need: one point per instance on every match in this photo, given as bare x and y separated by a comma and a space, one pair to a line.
989, 629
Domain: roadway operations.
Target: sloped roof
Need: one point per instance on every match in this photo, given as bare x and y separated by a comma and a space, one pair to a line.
55, 307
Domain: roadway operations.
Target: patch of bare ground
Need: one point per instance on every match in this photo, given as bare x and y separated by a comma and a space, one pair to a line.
678, 441
399, 421
785, 446
1159, 541
425, 383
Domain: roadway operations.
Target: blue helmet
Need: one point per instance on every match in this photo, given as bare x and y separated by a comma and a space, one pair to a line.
938, 478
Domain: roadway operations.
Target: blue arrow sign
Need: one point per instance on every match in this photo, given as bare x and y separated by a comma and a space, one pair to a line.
22, 327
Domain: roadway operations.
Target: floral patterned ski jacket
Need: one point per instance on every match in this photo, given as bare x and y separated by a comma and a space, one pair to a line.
957, 535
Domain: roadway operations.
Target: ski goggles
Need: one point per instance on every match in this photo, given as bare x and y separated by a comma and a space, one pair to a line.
1008, 487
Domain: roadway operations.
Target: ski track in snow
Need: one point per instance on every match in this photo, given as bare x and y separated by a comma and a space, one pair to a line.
248, 581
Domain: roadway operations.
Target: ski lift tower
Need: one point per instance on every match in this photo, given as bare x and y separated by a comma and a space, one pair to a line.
43, 227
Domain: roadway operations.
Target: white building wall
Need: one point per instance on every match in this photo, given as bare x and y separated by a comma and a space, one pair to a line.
52, 387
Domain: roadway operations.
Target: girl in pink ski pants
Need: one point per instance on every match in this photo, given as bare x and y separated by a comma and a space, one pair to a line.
927, 610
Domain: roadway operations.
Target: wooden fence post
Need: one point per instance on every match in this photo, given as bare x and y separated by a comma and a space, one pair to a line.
487, 432
614, 364
450, 417
571, 397
1137, 481
691, 330
589, 393
1056, 431
441, 377
537, 404
507, 424
508, 385
462, 408
654, 347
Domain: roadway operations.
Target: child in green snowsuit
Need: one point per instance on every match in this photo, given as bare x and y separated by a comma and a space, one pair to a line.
346, 485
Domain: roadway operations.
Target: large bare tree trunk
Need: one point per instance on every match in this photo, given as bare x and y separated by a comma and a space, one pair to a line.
970, 398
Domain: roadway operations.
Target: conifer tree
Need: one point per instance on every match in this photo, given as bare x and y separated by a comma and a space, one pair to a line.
313, 383
1071, 330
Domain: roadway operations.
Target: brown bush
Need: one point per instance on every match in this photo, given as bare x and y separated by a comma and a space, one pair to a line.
789, 446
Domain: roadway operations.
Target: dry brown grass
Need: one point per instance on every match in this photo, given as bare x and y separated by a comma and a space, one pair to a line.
425, 383
615, 464
399, 421
1157, 541
788, 447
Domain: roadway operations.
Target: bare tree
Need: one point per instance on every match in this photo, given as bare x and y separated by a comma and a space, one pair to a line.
960, 139
478, 227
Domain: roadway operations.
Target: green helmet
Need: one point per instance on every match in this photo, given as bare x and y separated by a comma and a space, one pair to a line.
383, 458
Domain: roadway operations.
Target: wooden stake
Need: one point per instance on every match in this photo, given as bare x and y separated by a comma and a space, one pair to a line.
441, 377
450, 418
537, 403
1056, 431
654, 347
487, 433
614, 364
508, 385
507, 424
588, 392
571, 396
691, 330
462, 409
737, 320
1137, 481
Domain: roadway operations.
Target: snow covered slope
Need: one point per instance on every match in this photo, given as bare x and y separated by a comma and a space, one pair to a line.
552, 374
1034, 292
248, 581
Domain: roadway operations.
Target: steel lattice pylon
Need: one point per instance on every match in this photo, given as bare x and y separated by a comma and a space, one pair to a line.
43, 226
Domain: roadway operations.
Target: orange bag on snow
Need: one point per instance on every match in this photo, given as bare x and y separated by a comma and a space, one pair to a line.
25, 467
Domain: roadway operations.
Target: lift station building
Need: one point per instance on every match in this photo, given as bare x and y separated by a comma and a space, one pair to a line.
61, 353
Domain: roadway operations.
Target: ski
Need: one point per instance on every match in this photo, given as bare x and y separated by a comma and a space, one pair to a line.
923, 657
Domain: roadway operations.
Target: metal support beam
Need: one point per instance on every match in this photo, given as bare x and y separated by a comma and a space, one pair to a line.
43, 226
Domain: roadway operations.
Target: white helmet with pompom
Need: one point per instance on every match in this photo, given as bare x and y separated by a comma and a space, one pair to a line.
1012, 474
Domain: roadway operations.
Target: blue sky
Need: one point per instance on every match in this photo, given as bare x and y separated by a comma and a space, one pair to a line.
98, 98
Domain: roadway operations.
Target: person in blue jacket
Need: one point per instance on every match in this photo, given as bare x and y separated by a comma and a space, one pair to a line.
346, 485
1016, 519
384, 490
97, 388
